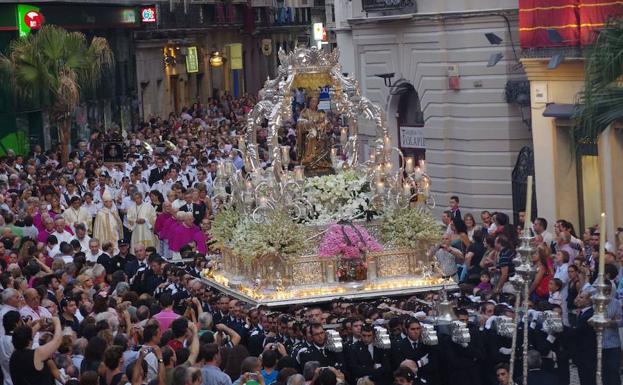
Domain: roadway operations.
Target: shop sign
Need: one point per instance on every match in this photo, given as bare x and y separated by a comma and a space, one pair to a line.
411, 137
235, 56
29, 18
148, 14
192, 60
318, 31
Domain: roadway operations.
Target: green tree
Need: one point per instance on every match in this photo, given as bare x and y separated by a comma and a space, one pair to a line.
51, 68
601, 102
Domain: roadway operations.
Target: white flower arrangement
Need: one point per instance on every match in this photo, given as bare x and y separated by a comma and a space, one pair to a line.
342, 196
279, 235
223, 227
407, 228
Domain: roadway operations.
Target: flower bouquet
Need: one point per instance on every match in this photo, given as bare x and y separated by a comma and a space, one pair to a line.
350, 243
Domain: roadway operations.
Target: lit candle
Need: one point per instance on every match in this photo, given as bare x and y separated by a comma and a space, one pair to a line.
406, 188
387, 147
344, 136
380, 187
378, 173
220, 170
372, 157
423, 165
528, 207
263, 202
299, 173
248, 185
409, 165
602, 248
388, 168
333, 154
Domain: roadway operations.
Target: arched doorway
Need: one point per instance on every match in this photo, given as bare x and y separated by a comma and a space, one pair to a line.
410, 120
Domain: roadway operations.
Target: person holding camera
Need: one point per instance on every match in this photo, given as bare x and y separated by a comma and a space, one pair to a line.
33, 366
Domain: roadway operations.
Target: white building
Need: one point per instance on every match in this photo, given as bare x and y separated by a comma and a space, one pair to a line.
472, 135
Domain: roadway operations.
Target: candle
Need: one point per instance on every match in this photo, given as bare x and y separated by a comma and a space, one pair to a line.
387, 147
388, 168
378, 173
333, 154
285, 155
528, 207
409, 165
602, 248
263, 202
380, 187
242, 145
248, 185
229, 168
299, 173
220, 170
379, 154
423, 165
344, 136
372, 157
406, 188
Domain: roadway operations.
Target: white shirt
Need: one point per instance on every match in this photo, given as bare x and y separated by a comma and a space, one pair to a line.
41, 312
84, 243
93, 258
65, 236
6, 350
3, 310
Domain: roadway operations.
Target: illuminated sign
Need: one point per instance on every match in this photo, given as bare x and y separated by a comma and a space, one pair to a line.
192, 60
318, 31
148, 14
29, 18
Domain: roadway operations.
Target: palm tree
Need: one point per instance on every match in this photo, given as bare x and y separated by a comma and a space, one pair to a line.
51, 68
601, 102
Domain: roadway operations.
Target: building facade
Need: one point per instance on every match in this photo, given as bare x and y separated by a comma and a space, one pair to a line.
427, 63
575, 181
246, 35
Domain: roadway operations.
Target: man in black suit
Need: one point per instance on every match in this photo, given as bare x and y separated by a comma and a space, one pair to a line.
157, 173
364, 359
138, 263
255, 335
318, 350
536, 375
412, 348
585, 340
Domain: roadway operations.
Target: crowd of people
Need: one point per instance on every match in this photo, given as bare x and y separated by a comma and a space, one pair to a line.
100, 268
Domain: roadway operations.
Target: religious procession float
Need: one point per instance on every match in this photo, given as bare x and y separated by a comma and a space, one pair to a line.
320, 222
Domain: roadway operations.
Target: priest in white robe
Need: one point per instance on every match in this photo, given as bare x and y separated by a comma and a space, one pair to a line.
108, 226
77, 214
141, 219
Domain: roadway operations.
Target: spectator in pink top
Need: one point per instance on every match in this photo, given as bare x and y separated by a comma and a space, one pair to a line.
166, 315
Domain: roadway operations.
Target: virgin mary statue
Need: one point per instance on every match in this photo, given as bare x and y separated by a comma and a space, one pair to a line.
313, 148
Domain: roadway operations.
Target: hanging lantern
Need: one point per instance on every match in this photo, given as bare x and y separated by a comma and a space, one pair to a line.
216, 59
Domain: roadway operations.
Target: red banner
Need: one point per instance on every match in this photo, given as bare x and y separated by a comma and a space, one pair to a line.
574, 20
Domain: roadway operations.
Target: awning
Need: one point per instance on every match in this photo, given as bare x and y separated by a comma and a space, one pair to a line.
559, 110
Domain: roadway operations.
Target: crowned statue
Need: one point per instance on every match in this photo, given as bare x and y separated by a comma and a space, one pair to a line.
313, 140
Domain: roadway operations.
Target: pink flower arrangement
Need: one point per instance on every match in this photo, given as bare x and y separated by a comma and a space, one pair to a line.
350, 241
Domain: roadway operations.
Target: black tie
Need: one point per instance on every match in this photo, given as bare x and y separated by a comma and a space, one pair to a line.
322, 351
414, 346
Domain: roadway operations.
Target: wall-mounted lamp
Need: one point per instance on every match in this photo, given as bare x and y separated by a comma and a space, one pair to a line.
493, 38
216, 59
387, 78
